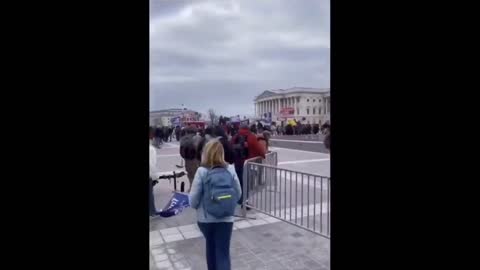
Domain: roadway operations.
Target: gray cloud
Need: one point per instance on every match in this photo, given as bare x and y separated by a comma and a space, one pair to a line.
221, 54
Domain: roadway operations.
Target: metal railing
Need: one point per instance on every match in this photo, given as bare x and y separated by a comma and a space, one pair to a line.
271, 158
298, 198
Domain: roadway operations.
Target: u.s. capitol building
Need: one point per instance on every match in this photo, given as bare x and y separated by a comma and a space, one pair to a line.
306, 105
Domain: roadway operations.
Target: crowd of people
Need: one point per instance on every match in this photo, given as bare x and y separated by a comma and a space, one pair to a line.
214, 159
300, 129
159, 135
238, 144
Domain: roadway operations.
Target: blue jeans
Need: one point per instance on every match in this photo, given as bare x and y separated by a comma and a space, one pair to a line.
217, 238
239, 171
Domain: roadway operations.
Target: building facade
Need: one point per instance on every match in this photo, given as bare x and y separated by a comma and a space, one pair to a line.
163, 118
306, 105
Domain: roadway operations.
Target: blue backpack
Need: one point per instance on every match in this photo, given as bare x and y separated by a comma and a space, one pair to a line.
219, 196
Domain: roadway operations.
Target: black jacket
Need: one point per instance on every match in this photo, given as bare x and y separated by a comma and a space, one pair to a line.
189, 145
227, 149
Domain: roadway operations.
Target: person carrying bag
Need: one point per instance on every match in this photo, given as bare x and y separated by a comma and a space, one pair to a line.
214, 194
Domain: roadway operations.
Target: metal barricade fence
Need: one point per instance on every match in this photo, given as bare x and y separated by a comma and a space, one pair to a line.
298, 198
254, 177
271, 158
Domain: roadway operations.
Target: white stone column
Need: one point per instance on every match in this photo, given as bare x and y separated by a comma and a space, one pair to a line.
294, 102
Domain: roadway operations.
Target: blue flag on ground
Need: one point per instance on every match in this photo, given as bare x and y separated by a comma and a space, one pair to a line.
175, 206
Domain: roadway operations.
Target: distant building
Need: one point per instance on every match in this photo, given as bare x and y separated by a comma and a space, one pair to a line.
162, 118
306, 105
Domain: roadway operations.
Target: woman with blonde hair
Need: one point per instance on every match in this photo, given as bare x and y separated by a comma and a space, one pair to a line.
215, 192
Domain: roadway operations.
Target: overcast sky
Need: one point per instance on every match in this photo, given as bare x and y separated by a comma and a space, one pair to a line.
221, 54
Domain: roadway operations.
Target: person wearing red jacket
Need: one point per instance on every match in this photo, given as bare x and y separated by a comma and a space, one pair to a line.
251, 148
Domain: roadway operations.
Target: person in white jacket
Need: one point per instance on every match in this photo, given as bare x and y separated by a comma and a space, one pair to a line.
154, 174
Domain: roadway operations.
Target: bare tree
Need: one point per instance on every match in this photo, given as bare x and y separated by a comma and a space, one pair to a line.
213, 116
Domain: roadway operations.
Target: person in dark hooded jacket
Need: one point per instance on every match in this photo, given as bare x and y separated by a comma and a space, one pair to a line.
177, 133
188, 151
220, 134
158, 137
170, 133
251, 148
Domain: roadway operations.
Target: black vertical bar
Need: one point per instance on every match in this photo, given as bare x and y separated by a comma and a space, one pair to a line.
174, 181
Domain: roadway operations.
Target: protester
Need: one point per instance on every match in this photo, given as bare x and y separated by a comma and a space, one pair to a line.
325, 126
308, 129
170, 133
263, 139
182, 132
226, 128
253, 129
288, 129
177, 133
245, 146
165, 134
209, 133
219, 133
188, 150
259, 128
206, 137
158, 137
215, 214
